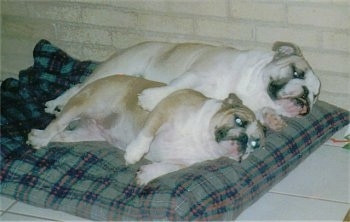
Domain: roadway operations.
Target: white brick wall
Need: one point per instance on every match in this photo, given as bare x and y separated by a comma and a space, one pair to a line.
94, 29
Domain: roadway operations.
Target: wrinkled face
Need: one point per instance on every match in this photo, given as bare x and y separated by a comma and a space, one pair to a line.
292, 85
238, 133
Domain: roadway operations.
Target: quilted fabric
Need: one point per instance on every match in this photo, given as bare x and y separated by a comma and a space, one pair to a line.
89, 179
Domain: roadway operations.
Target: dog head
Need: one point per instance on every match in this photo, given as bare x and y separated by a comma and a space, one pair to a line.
237, 131
290, 81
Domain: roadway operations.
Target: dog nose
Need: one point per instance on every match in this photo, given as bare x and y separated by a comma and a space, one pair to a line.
303, 102
242, 140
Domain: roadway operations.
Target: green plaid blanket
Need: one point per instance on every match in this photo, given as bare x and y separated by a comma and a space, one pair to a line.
89, 179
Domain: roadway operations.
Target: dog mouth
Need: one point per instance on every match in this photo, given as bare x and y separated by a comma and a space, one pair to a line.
235, 150
294, 106
235, 145
303, 104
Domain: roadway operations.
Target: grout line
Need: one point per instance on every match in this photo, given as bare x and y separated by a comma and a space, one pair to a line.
308, 197
10, 206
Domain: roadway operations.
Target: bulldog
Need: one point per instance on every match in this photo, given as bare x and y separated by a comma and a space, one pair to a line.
184, 128
272, 83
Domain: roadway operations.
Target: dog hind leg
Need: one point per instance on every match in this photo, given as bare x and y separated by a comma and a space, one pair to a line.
54, 106
40, 138
86, 131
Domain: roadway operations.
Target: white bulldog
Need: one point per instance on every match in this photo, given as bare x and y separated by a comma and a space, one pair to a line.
271, 83
184, 128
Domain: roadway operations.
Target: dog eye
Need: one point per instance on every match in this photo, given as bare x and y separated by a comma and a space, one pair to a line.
255, 144
240, 122
298, 74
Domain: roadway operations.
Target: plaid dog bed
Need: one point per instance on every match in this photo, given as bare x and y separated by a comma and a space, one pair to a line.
89, 179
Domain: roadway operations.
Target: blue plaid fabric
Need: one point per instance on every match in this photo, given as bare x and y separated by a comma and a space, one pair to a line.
22, 100
89, 179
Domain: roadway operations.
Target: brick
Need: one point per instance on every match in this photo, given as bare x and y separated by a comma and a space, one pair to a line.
97, 53
81, 34
13, 63
194, 7
28, 28
207, 7
18, 45
53, 10
301, 37
222, 29
330, 16
338, 2
165, 24
74, 49
107, 17
336, 41
17, 8
328, 61
92, 1
264, 11
124, 40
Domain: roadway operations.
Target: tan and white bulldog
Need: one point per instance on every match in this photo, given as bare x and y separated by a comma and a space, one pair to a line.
184, 128
271, 83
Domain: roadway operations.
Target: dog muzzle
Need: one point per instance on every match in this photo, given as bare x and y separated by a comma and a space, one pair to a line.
295, 106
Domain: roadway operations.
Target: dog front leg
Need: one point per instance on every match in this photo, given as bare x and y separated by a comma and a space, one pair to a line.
137, 148
141, 144
269, 118
40, 138
149, 98
154, 170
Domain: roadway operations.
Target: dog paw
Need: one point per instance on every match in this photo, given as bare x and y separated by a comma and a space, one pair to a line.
149, 98
132, 157
52, 107
274, 121
134, 151
38, 138
145, 175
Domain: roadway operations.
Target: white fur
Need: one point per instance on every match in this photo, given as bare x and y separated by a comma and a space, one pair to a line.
184, 137
183, 129
213, 70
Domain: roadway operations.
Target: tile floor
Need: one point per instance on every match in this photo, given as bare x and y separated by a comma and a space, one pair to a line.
318, 189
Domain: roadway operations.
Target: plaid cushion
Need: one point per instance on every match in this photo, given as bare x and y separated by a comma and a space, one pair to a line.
89, 179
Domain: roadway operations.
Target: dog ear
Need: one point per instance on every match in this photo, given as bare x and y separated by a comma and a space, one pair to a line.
283, 49
232, 100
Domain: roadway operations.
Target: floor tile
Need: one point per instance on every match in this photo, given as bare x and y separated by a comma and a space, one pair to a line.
325, 174
340, 137
27, 209
5, 203
18, 217
281, 207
